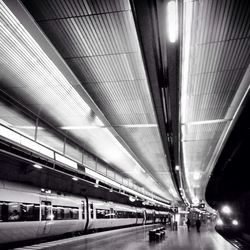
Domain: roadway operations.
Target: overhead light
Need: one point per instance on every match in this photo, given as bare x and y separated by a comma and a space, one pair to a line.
37, 166
74, 178
195, 200
226, 210
177, 168
196, 175
132, 198
172, 21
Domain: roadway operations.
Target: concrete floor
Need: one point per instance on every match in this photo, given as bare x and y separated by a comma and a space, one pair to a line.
137, 239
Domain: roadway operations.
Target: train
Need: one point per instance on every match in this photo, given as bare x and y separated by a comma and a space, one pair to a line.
28, 213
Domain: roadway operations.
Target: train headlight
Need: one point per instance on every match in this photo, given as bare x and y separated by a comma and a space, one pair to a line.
219, 222
235, 222
226, 210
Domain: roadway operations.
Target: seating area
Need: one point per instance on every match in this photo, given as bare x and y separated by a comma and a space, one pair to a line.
157, 234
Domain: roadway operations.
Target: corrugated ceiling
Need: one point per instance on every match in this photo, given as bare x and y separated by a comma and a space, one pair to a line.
98, 41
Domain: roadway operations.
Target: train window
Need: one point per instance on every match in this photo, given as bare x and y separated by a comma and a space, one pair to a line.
102, 214
17, 211
29, 212
125, 214
83, 210
58, 213
139, 215
46, 210
120, 214
112, 213
91, 210
65, 213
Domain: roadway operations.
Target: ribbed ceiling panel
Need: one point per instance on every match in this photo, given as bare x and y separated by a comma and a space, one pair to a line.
93, 35
57, 9
203, 132
209, 106
219, 57
107, 68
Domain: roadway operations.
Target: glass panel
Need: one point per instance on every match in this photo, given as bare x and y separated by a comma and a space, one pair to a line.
49, 137
29, 212
65, 213
101, 168
16, 211
110, 174
73, 152
89, 160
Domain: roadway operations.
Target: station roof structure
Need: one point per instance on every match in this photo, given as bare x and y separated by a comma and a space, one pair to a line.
101, 85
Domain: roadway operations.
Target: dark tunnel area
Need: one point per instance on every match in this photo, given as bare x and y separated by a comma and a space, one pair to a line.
228, 190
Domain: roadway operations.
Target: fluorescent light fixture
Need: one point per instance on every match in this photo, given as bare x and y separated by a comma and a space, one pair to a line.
96, 183
207, 122
45, 151
74, 178
65, 161
172, 19
16, 137
37, 166
10, 134
29, 144
102, 178
196, 175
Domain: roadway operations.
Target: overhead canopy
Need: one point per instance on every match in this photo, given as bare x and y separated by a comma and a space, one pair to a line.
103, 100
215, 80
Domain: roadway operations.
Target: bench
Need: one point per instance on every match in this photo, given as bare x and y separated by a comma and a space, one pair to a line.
157, 234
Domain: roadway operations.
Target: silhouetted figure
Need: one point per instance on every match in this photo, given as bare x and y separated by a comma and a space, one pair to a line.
188, 224
14, 216
198, 225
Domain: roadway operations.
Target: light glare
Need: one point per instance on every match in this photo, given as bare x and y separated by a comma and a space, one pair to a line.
226, 210
235, 222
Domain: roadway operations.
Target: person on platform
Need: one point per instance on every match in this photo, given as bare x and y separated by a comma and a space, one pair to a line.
198, 225
188, 222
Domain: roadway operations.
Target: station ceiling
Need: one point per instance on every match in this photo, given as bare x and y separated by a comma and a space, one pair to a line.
105, 74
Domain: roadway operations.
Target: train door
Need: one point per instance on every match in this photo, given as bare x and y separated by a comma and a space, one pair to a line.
46, 218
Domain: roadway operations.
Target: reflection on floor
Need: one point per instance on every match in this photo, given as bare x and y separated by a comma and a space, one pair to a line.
137, 239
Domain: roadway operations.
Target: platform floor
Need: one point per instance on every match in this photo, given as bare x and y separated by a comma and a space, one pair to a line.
137, 239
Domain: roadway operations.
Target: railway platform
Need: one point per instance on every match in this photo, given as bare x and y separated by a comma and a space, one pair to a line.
138, 238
